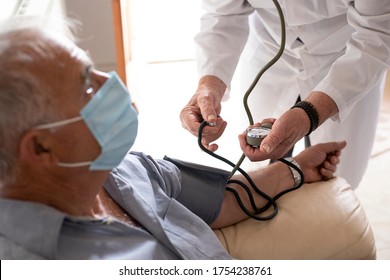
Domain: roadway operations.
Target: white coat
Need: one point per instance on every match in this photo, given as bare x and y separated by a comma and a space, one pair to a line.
343, 50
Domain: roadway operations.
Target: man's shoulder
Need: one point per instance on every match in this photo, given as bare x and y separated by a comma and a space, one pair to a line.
139, 169
144, 163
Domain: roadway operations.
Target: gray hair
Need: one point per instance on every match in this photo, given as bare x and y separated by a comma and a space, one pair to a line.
24, 101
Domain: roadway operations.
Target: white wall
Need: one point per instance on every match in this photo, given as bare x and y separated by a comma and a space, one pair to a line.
97, 33
49, 8
7, 8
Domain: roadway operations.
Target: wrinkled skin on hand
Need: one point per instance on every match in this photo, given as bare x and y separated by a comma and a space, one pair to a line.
318, 162
286, 131
205, 105
289, 128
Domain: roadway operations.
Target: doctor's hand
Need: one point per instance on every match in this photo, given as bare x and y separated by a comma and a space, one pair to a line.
205, 105
286, 131
292, 126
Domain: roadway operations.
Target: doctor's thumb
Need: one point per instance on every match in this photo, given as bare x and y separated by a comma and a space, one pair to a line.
266, 148
208, 112
269, 144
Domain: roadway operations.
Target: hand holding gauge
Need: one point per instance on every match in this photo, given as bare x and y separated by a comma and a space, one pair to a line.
254, 135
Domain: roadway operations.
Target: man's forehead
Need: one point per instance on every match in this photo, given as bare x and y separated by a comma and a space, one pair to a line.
69, 49
80, 55
70, 46
41, 42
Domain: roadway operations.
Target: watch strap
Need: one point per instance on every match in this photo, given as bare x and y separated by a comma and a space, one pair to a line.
295, 174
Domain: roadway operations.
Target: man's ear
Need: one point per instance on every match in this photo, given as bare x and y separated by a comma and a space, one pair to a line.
34, 148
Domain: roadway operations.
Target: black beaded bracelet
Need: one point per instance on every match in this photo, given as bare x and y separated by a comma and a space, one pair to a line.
311, 112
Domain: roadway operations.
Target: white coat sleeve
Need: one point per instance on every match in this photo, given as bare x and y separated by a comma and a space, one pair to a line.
366, 59
222, 37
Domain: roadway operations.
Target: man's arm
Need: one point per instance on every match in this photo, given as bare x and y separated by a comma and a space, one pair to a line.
317, 163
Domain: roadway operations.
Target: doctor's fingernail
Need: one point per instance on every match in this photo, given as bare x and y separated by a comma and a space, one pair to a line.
266, 148
211, 120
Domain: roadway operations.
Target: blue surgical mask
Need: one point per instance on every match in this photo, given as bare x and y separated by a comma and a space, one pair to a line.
112, 120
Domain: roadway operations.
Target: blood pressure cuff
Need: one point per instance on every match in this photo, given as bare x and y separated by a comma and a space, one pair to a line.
203, 188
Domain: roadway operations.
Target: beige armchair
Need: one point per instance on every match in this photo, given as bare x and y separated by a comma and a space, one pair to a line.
319, 221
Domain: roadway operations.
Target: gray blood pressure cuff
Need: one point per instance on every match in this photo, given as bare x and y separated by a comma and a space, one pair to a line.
203, 188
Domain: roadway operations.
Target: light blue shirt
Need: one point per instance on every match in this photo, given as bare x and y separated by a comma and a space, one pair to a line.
146, 189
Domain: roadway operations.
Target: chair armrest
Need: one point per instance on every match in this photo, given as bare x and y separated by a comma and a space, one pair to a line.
322, 220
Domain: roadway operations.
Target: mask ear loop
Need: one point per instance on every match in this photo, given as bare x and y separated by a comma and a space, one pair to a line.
59, 123
236, 167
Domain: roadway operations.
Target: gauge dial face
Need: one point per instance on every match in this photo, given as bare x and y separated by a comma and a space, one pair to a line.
258, 132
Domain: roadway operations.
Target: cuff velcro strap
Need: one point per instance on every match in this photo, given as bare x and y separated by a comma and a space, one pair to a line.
311, 112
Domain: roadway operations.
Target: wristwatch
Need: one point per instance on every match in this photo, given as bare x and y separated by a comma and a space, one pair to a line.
294, 172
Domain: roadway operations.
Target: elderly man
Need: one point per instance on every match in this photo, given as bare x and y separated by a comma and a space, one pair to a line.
69, 189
